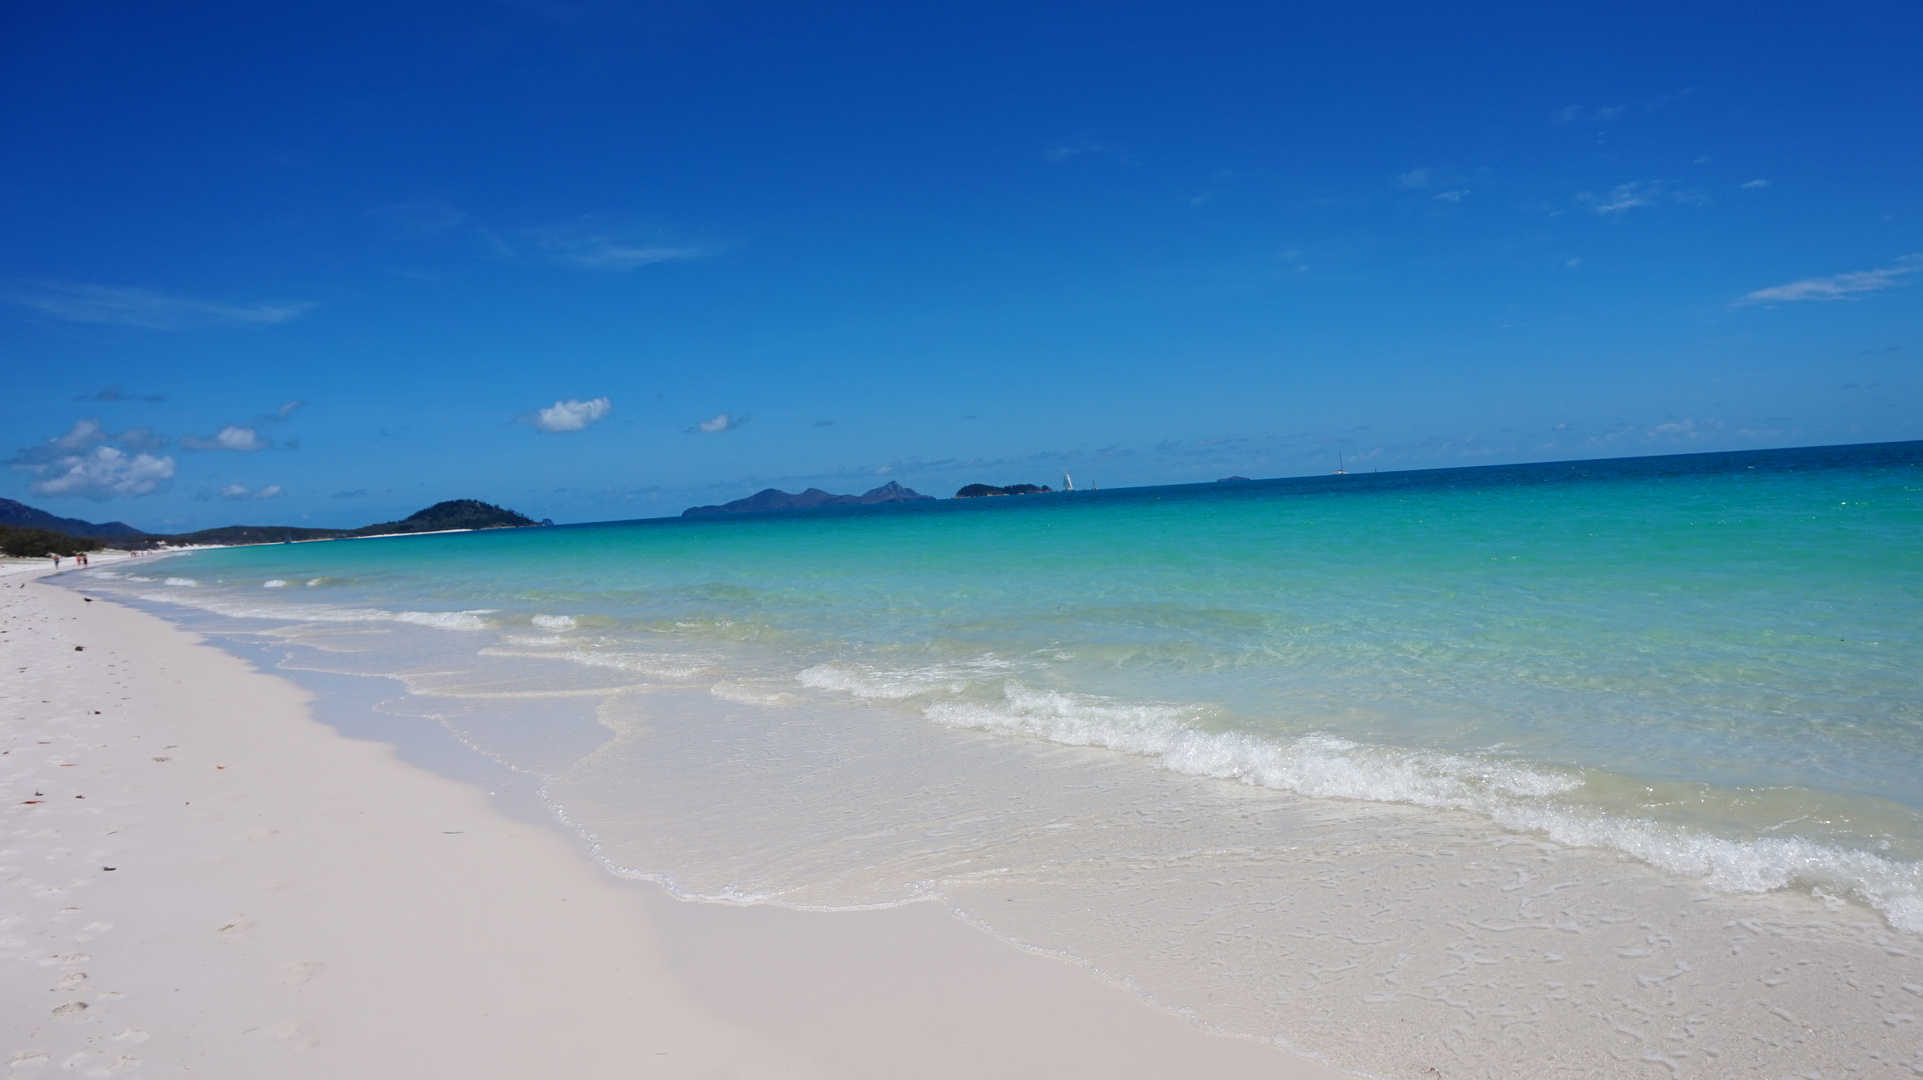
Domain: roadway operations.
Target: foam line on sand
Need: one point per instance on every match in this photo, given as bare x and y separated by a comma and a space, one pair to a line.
202, 880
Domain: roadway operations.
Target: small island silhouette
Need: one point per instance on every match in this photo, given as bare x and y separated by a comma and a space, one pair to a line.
811, 499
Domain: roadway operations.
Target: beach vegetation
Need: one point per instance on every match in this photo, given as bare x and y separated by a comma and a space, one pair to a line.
43, 543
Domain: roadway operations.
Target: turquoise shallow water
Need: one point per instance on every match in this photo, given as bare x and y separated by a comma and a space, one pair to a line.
1710, 664
1729, 641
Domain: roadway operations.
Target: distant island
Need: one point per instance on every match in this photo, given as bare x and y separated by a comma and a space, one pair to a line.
441, 517
811, 499
978, 491
27, 532
1233, 480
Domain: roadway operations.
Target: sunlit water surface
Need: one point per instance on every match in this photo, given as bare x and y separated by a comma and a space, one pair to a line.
1504, 769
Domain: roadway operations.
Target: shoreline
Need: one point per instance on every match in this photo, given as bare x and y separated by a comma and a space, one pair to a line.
328, 905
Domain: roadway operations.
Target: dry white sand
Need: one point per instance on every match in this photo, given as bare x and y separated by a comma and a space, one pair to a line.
202, 880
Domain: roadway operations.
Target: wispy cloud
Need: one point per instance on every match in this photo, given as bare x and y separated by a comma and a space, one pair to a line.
1414, 178
128, 306
1624, 197
84, 436
117, 393
241, 493
570, 415
231, 437
585, 243
719, 423
1753, 185
1837, 286
90, 462
1063, 153
587, 248
1451, 196
1570, 114
1684, 429
418, 218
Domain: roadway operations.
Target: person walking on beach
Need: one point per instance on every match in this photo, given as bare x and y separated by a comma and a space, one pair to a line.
56, 562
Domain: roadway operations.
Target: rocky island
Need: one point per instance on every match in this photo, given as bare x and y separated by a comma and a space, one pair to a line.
811, 499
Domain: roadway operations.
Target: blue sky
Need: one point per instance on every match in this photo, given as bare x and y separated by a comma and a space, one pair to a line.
326, 264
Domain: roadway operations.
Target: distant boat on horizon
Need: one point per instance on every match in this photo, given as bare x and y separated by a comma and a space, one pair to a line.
1068, 482
1339, 470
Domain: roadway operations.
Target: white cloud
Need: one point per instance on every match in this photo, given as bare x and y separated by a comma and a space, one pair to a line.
1685, 429
1754, 185
589, 249
145, 307
1624, 197
1636, 193
103, 472
570, 415
1414, 178
81, 437
1837, 286
239, 492
719, 423
84, 433
1450, 196
231, 437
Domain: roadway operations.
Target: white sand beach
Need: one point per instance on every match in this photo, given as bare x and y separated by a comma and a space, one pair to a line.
202, 880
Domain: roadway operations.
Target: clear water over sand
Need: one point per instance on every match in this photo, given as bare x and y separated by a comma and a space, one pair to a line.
1510, 769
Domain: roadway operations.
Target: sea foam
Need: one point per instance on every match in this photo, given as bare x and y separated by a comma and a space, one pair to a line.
1512, 794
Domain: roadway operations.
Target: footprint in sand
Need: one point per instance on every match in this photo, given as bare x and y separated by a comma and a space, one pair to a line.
302, 970
27, 1059
235, 927
130, 1036
294, 1035
70, 1011
71, 982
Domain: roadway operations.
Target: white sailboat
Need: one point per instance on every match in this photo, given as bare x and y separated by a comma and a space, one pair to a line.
1068, 482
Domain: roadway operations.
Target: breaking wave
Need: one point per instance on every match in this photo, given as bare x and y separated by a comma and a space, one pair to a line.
1512, 794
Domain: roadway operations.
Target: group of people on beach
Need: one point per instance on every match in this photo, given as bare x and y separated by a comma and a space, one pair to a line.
79, 558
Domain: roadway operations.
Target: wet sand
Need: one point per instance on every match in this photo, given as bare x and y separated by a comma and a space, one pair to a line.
203, 880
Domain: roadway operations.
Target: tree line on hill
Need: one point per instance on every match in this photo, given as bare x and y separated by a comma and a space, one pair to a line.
26, 532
